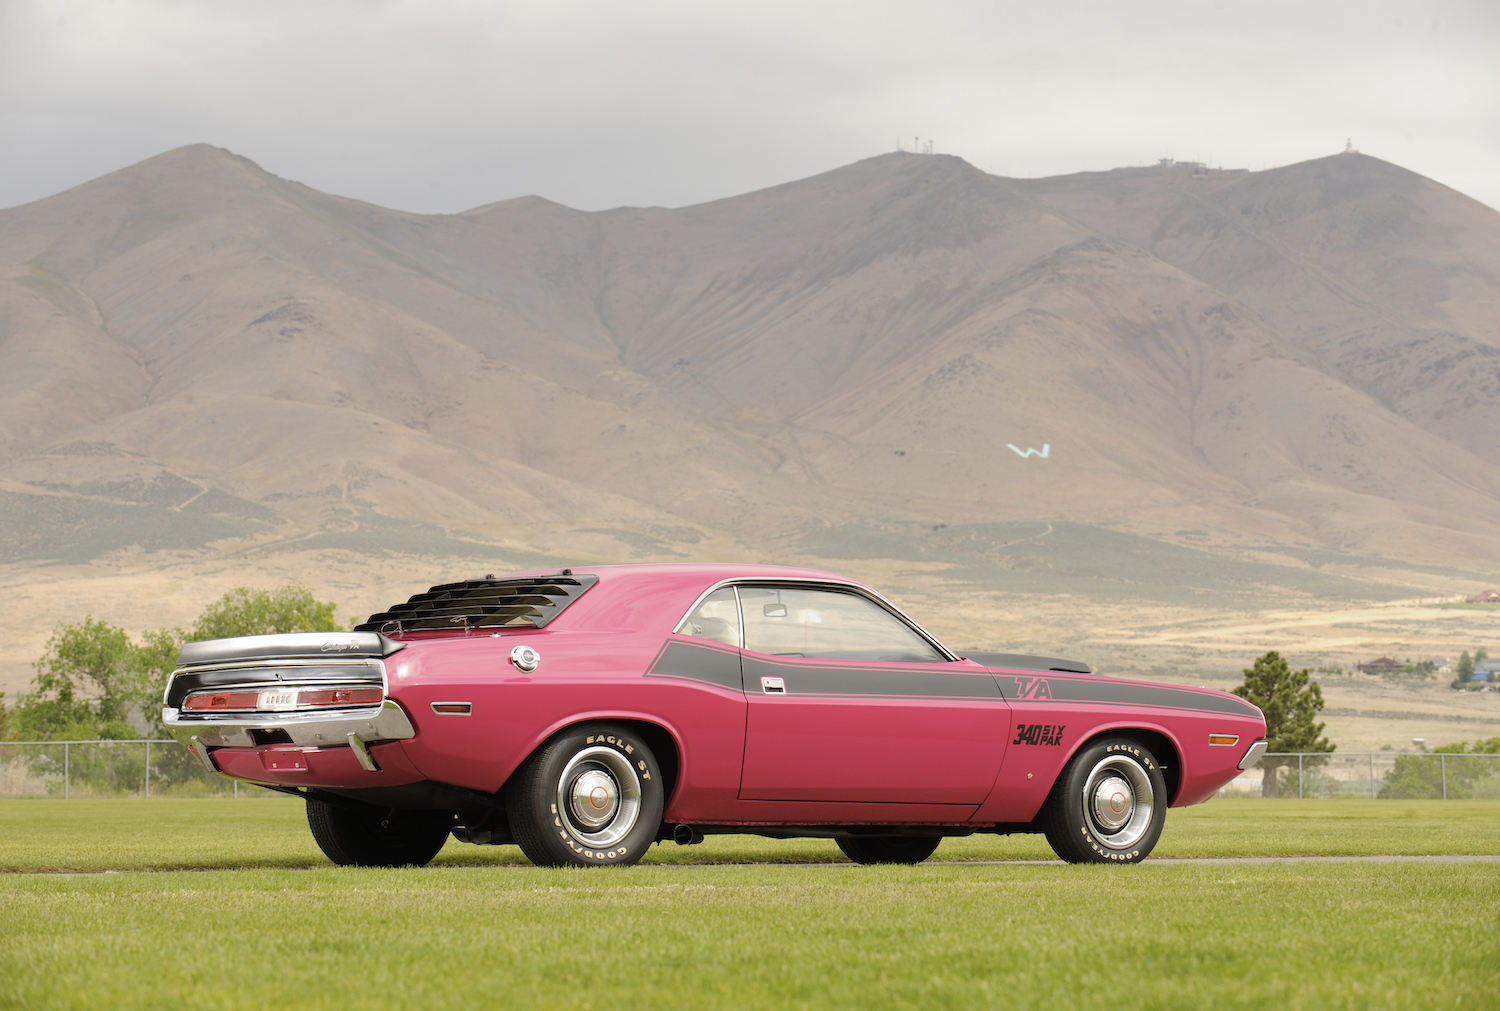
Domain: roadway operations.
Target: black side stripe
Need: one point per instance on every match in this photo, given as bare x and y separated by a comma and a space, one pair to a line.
906, 681
721, 666
1054, 688
715, 665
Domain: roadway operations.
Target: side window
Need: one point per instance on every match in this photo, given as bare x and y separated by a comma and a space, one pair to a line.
827, 625
717, 618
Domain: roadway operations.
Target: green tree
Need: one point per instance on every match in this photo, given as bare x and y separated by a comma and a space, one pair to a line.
85, 685
7, 721
1417, 777
1465, 670
1290, 700
244, 611
93, 680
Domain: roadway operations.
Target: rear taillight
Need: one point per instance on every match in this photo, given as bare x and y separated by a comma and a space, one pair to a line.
221, 701
281, 700
319, 698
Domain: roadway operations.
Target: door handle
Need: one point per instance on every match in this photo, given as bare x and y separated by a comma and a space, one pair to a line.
773, 686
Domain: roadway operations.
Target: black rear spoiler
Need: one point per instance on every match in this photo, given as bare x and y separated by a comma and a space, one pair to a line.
290, 645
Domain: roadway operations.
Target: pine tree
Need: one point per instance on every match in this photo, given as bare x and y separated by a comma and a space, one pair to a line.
1465, 670
1290, 701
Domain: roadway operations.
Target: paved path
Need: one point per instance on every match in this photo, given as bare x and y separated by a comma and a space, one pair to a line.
1225, 861
1150, 862
1439, 859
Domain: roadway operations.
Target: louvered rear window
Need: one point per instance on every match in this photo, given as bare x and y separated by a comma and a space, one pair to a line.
524, 602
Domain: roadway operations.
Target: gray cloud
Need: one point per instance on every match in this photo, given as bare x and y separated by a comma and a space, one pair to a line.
439, 107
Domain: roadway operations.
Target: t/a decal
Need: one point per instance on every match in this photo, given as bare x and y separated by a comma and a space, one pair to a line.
1039, 733
1032, 688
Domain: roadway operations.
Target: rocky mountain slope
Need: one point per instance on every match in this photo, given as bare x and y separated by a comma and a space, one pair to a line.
902, 358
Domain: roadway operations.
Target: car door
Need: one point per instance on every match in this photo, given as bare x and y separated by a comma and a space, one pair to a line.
847, 702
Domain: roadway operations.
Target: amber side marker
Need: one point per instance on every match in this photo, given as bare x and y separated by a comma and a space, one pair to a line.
453, 708
1223, 740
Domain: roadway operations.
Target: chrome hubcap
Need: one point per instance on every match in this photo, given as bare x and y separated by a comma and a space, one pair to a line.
595, 797
599, 797
1118, 801
1113, 803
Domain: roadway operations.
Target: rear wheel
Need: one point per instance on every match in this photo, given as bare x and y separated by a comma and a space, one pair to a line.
369, 836
891, 850
591, 795
1108, 806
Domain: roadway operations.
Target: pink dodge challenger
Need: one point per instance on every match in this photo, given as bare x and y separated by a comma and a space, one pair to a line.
585, 714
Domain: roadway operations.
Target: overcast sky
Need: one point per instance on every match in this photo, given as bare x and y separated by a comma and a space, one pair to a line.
441, 105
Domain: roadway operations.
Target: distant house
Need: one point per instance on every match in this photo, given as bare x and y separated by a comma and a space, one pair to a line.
1484, 597
1486, 670
1385, 665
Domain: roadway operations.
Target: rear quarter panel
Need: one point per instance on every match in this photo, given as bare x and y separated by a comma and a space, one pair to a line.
582, 676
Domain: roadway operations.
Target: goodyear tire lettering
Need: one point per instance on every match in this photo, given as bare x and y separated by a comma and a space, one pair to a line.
573, 844
1068, 821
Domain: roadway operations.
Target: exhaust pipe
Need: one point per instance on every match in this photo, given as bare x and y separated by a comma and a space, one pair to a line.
686, 835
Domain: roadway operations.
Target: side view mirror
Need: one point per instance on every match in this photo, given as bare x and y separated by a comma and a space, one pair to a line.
774, 610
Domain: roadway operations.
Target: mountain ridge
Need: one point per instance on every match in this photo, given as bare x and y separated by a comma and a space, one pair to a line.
1307, 355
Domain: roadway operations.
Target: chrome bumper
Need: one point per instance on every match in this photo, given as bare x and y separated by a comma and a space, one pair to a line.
1253, 755
387, 723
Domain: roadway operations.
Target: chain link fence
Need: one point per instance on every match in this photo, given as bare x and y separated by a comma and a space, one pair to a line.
164, 768
1382, 775
135, 768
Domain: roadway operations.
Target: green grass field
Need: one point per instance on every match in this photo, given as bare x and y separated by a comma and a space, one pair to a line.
96, 835
742, 922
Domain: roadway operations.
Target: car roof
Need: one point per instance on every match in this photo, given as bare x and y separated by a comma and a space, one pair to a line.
694, 572
669, 587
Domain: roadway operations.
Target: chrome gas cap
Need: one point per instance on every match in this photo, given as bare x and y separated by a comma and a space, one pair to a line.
525, 658
594, 798
1113, 803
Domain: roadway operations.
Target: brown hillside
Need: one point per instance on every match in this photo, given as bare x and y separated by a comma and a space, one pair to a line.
1388, 280
197, 355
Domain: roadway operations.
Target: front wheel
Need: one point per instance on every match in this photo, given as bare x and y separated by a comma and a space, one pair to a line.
591, 795
361, 835
1108, 806
897, 850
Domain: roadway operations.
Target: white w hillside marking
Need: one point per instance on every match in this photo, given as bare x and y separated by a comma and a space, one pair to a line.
1029, 451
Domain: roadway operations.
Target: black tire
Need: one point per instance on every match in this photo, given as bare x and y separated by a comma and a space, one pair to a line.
591, 795
369, 836
1108, 806
890, 850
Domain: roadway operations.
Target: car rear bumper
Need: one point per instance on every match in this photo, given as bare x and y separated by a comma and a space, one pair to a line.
318, 768
388, 722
